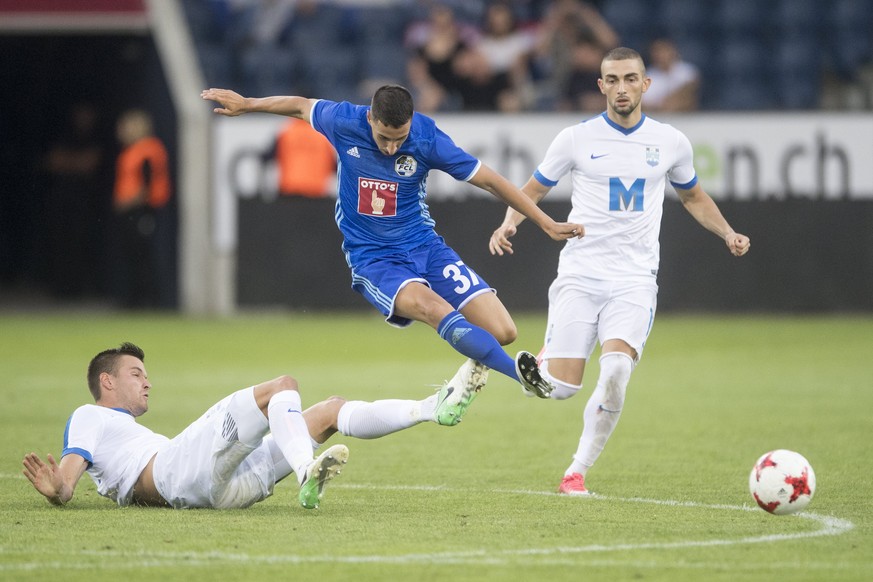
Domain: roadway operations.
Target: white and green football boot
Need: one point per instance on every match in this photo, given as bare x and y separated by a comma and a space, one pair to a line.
456, 395
324, 468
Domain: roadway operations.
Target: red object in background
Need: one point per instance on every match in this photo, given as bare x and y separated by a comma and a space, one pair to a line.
73, 16
54, 6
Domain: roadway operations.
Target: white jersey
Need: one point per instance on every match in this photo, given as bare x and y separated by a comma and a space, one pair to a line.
619, 178
116, 447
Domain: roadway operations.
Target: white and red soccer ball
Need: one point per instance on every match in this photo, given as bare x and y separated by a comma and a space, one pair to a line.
782, 482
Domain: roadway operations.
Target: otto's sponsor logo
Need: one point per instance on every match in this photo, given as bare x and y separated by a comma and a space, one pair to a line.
380, 185
377, 197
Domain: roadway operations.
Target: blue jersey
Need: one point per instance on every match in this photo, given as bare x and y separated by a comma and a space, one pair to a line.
380, 206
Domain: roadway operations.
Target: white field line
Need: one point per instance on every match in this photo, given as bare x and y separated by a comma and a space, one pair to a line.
555, 555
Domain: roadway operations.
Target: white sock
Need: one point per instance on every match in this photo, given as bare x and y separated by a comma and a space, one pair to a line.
428, 407
280, 463
290, 431
371, 420
603, 410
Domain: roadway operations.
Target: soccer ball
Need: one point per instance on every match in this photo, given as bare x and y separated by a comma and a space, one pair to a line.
782, 482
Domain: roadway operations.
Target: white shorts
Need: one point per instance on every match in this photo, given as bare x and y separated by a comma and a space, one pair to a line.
208, 466
585, 311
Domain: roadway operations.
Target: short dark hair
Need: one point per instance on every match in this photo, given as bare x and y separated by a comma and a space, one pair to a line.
623, 53
107, 361
392, 105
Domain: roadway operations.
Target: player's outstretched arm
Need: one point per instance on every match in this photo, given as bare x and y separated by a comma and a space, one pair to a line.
233, 104
56, 482
705, 211
491, 181
499, 242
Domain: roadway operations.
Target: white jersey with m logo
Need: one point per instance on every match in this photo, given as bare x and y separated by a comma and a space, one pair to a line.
619, 177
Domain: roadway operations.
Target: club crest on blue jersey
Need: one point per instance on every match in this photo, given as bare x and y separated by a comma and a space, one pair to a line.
653, 155
405, 165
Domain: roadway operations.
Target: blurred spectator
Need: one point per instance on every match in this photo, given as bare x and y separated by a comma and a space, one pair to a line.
564, 24
258, 38
144, 272
675, 83
260, 23
305, 160
435, 45
497, 67
74, 165
581, 91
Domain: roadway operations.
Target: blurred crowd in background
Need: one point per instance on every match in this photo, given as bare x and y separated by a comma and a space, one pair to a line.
542, 55
89, 209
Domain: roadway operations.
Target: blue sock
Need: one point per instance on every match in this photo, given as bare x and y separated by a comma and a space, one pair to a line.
474, 342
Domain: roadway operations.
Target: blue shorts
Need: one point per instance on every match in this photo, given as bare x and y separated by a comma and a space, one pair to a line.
434, 263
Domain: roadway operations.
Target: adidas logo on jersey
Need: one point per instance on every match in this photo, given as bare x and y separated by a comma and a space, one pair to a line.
353, 152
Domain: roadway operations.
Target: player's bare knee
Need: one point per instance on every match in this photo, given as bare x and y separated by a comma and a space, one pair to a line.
432, 312
417, 301
285, 382
265, 392
506, 334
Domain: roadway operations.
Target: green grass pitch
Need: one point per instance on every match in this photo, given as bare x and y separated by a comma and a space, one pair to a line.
475, 501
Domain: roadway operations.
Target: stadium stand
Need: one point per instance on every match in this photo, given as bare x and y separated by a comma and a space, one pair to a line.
632, 20
753, 55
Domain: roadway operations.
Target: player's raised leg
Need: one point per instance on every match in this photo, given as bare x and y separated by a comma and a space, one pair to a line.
440, 295
419, 302
371, 420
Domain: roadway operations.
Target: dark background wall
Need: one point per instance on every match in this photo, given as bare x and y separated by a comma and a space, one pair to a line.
808, 256
43, 76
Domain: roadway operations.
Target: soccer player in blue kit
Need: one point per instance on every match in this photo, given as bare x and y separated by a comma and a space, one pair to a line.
398, 262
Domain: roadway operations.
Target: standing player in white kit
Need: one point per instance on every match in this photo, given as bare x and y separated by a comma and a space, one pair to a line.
606, 288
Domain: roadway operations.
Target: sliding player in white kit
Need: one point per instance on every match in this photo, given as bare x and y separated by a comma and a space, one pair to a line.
606, 288
231, 457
